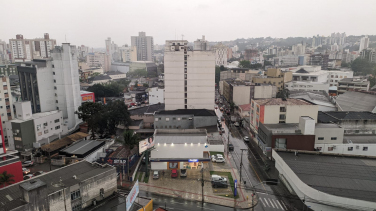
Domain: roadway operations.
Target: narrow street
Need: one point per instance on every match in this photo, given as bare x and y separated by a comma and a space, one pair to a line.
253, 173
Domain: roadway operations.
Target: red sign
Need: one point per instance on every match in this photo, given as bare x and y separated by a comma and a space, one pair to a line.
88, 97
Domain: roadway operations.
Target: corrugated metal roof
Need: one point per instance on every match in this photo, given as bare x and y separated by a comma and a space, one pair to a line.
356, 101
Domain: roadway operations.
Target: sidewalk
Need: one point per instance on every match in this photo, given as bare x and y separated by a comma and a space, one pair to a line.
191, 189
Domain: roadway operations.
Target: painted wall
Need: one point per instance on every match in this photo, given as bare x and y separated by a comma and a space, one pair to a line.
15, 169
328, 133
186, 151
156, 95
241, 95
363, 149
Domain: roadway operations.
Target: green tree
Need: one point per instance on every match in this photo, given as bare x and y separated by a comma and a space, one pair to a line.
222, 68
138, 73
90, 113
6, 179
362, 66
245, 64
344, 64
160, 68
232, 107
145, 85
129, 139
267, 63
117, 114
284, 93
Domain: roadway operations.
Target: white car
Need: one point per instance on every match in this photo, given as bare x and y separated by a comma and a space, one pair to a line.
246, 138
236, 124
25, 171
217, 156
219, 160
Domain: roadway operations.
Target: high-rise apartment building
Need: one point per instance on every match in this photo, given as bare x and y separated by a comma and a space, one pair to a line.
144, 45
96, 59
364, 43
53, 84
128, 53
4, 53
189, 77
201, 44
220, 54
29, 49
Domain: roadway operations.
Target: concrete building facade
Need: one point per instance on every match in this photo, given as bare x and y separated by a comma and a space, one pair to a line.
144, 45
189, 77
53, 84
156, 95
29, 49
352, 84
334, 76
220, 54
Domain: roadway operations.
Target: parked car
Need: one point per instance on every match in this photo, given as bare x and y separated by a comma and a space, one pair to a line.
155, 175
183, 172
215, 177
246, 138
28, 163
174, 173
28, 176
25, 171
236, 124
38, 173
219, 184
230, 147
217, 156
218, 159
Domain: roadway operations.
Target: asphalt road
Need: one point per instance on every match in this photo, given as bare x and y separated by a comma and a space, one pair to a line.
251, 171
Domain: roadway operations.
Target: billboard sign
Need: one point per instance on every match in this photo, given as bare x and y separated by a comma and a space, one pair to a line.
87, 97
145, 144
132, 195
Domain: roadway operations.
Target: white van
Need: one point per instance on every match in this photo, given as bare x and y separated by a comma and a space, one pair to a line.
215, 177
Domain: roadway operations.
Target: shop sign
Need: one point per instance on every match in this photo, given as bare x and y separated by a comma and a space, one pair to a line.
193, 160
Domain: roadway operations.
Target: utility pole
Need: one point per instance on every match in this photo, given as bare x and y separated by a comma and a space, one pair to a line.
128, 168
241, 164
228, 141
202, 187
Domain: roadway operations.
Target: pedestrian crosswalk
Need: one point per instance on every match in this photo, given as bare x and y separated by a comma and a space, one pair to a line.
273, 203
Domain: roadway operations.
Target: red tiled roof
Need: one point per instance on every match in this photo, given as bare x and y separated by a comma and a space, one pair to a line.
245, 107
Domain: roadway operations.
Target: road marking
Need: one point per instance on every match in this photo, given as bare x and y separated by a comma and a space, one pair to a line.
266, 202
284, 205
271, 203
280, 205
262, 202
276, 205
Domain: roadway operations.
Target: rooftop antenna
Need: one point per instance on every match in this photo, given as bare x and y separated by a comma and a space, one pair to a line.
182, 37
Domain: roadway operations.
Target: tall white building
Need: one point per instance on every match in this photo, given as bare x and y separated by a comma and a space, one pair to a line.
201, 44
144, 45
189, 77
220, 54
6, 101
4, 55
29, 49
309, 78
53, 84
364, 43
128, 53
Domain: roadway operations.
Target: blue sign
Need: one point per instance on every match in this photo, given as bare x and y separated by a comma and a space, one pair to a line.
193, 160
235, 186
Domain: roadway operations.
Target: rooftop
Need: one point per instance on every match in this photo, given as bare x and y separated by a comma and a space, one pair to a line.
312, 96
150, 109
357, 101
279, 101
101, 77
82, 147
337, 116
245, 107
180, 136
363, 139
327, 125
195, 112
64, 142
10, 196
350, 177
354, 80
285, 128
115, 73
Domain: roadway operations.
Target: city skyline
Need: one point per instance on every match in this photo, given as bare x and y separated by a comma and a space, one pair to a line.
118, 21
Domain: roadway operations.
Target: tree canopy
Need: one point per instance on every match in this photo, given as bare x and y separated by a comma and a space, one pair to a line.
247, 64
138, 73
362, 66
103, 119
111, 89
6, 179
129, 139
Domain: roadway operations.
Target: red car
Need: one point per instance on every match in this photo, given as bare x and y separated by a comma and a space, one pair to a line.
174, 173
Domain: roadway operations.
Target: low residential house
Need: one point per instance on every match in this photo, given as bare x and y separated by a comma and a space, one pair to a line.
357, 101
74, 187
146, 113
30, 130
277, 110
291, 136
244, 110
275, 77
116, 75
353, 122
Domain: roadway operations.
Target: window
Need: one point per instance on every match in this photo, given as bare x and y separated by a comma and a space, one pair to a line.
57, 120
333, 138
330, 148
184, 118
57, 108
321, 138
280, 143
350, 149
282, 116
173, 118
76, 207
17, 138
356, 131
53, 66
45, 124
57, 127
57, 101
282, 109
54, 81
46, 131
55, 88
190, 118
53, 73
75, 194
365, 148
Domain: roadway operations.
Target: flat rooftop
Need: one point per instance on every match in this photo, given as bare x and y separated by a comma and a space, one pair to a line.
364, 139
150, 109
337, 116
11, 196
180, 136
279, 101
350, 177
82, 147
195, 112
357, 101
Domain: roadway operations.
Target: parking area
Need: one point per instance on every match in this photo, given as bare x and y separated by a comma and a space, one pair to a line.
45, 167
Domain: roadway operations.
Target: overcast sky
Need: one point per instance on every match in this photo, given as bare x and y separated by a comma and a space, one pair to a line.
90, 22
